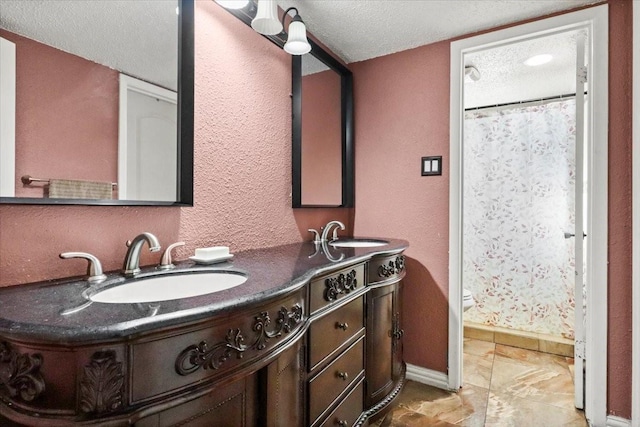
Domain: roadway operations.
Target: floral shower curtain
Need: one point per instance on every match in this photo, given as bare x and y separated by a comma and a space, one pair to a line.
519, 180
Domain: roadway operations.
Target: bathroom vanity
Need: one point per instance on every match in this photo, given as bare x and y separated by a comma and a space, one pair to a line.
312, 338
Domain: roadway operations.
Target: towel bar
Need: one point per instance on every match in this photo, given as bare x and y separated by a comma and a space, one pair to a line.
28, 180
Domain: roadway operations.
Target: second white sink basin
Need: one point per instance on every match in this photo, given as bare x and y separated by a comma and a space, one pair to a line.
358, 243
169, 287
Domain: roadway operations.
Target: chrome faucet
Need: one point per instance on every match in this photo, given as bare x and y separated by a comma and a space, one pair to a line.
325, 231
132, 259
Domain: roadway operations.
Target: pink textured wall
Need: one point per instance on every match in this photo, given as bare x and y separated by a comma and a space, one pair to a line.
321, 139
242, 171
620, 134
67, 110
401, 116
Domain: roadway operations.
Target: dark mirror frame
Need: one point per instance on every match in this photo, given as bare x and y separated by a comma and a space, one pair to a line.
346, 84
185, 126
346, 78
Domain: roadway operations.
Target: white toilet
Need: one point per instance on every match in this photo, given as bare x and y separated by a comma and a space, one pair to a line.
467, 300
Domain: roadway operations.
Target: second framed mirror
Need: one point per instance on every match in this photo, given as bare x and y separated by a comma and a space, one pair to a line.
322, 163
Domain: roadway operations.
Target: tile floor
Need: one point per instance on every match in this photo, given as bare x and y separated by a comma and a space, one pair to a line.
504, 387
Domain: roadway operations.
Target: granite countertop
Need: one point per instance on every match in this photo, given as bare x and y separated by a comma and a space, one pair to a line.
33, 311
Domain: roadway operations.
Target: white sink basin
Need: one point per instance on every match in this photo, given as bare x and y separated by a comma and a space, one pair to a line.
169, 287
358, 243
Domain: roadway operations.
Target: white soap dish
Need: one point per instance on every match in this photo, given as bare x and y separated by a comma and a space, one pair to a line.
212, 260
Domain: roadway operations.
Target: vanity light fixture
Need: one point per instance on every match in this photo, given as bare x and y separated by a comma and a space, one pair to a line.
233, 4
538, 60
266, 20
297, 43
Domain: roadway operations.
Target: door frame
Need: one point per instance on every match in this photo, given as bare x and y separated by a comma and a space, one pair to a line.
635, 382
128, 83
596, 19
7, 118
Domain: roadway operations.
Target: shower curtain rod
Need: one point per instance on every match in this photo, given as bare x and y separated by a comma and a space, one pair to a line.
523, 103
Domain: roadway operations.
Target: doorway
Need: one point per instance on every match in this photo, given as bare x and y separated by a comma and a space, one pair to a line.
594, 22
147, 151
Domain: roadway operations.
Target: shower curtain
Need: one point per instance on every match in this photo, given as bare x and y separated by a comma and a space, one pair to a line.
519, 180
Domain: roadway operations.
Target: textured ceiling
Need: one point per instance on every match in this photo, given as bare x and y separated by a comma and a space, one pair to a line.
504, 78
362, 29
139, 38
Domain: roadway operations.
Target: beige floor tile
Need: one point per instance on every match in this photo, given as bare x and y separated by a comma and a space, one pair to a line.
419, 403
478, 348
476, 370
529, 357
510, 411
402, 417
504, 387
572, 368
533, 382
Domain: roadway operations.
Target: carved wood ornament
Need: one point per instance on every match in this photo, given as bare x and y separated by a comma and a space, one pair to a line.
20, 373
204, 356
102, 384
340, 284
393, 267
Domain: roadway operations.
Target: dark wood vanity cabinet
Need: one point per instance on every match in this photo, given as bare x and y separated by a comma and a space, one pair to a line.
328, 353
384, 342
385, 367
228, 405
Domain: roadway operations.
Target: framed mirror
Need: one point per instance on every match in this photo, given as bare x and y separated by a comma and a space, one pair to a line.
322, 163
322, 128
96, 106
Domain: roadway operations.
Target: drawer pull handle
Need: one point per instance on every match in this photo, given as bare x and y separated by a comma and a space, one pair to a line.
343, 326
342, 423
343, 375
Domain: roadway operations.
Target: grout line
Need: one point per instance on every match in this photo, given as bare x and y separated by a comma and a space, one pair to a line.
493, 361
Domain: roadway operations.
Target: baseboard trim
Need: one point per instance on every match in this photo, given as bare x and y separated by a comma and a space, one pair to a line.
613, 421
428, 376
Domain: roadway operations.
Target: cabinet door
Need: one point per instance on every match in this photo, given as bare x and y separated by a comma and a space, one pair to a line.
384, 344
397, 332
284, 389
231, 405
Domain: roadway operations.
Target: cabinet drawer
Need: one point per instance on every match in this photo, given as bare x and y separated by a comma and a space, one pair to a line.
349, 410
386, 268
334, 379
331, 331
328, 289
167, 364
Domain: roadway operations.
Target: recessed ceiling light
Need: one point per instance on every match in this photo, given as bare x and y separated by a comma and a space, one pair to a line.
233, 4
538, 60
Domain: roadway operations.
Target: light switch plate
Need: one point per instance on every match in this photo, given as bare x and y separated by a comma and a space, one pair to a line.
432, 165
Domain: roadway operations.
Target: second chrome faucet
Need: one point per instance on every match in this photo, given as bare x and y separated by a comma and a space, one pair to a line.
317, 238
327, 228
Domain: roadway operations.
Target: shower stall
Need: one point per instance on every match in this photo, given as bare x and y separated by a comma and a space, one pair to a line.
519, 212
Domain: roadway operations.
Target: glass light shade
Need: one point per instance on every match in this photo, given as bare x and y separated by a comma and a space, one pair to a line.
297, 43
538, 60
266, 21
232, 4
